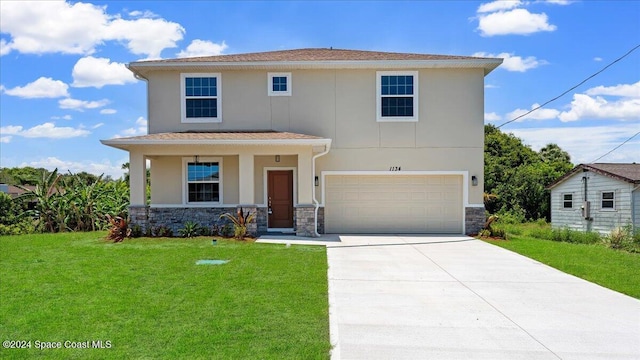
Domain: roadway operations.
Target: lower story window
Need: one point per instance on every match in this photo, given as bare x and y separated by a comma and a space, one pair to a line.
608, 200
203, 182
567, 201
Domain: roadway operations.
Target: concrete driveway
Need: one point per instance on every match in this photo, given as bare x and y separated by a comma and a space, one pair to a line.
454, 297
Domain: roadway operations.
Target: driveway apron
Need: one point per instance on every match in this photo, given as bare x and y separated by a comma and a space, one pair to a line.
455, 297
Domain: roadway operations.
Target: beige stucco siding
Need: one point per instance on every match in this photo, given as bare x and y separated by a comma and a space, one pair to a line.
336, 104
167, 176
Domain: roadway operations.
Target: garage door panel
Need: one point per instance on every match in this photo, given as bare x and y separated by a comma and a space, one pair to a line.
393, 204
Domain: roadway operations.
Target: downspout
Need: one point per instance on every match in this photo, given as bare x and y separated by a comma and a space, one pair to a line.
315, 200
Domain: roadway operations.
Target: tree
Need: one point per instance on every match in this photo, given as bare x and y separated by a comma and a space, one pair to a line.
517, 176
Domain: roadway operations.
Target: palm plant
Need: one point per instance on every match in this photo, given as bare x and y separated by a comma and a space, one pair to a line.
46, 195
240, 221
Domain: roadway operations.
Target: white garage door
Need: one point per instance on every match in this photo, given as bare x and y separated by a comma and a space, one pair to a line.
393, 204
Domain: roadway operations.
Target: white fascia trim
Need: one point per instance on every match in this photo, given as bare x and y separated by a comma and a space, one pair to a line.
487, 64
310, 142
464, 174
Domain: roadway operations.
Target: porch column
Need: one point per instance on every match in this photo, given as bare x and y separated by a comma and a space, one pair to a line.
305, 177
137, 178
246, 181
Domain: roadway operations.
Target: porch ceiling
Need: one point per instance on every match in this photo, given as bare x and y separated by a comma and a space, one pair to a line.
257, 137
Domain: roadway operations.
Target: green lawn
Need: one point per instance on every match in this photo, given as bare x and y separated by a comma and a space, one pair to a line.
614, 269
149, 299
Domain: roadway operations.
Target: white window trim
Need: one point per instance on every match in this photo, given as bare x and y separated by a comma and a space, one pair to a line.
270, 91
562, 201
416, 97
183, 98
602, 200
185, 183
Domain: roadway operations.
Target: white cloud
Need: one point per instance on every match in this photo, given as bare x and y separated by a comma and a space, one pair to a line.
79, 28
626, 90
515, 63
141, 129
98, 72
108, 111
540, 114
145, 36
492, 116
64, 166
5, 139
81, 105
44, 87
587, 107
516, 21
97, 125
4, 47
498, 5
65, 117
202, 48
558, 2
585, 144
597, 59
47, 130
10, 130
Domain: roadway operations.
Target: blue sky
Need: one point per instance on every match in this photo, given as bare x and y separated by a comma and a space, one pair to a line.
63, 84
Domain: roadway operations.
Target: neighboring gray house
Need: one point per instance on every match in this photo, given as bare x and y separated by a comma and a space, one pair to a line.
597, 197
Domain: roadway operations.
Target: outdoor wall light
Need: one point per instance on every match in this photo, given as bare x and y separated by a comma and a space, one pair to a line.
474, 180
277, 158
317, 181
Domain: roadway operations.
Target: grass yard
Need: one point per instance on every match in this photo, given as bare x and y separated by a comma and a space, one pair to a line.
614, 269
149, 299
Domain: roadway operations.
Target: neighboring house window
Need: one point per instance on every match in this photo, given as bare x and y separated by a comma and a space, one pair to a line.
279, 84
608, 200
201, 98
567, 201
203, 180
397, 96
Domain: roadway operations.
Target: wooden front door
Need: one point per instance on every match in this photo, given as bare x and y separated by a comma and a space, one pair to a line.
280, 198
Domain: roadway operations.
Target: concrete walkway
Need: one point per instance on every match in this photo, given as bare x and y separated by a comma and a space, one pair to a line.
435, 297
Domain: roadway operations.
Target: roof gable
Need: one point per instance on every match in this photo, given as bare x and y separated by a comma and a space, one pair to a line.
624, 172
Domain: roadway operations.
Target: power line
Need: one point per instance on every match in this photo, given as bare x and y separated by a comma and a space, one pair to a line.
616, 148
564, 93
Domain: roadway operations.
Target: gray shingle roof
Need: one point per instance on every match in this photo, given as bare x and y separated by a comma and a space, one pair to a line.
629, 172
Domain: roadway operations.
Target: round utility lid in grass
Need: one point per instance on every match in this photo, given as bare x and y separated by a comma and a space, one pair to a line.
211, 262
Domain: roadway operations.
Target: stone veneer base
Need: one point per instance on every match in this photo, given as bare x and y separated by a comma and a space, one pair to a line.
474, 219
175, 217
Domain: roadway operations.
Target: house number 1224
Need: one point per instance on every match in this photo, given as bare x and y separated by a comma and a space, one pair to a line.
394, 168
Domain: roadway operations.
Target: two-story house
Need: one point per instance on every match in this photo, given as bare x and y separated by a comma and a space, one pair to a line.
313, 140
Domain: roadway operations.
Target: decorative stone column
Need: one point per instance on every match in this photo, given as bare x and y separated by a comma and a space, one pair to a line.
304, 220
139, 215
474, 219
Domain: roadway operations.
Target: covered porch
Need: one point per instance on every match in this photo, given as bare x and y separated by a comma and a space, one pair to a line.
196, 176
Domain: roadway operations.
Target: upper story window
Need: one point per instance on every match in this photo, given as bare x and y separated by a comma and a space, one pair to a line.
608, 200
200, 97
279, 84
203, 183
567, 201
397, 96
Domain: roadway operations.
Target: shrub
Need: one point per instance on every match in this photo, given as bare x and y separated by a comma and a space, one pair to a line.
119, 229
240, 222
162, 231
489, 230
620, 238
190, 229
136, 231
226, 230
